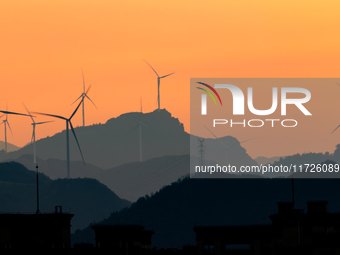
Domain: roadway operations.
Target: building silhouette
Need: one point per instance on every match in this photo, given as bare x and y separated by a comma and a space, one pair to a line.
44, 231
292, 232
251, 239
123, 239
314, 232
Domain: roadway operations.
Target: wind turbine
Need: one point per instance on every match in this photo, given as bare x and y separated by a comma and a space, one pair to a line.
6, 123
83, 95
33, 134
140, 125
159, 83
68, 123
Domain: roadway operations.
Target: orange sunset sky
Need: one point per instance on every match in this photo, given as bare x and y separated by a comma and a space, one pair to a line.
44, 45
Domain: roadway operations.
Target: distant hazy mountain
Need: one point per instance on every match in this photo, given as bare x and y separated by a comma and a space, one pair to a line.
310, 158
10, 147
265, 160
224, 151
87, 199
117, 141
176, 209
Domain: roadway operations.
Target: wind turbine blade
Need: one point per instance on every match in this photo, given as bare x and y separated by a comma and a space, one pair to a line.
9, 127
248, 140
152, 68
76, 108
217, 138
148, 129
77, 99
91, 101
82, 73
28, 112
15, 113
166, 75
211, 132
87, 91
75, 137
335, 129
132, 129
240, 143
51, 115
2, 116
44, 122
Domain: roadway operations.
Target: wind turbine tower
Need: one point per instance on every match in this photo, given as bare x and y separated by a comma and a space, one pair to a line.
33, 135
140, 125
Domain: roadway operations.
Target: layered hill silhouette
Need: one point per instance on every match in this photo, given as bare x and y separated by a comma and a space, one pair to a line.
10, 147
134, 180
87, 199
56, 168
117, 142
309, 158
176, 209
129, 181
112, 153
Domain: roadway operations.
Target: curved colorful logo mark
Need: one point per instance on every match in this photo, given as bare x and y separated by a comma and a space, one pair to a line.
204, 97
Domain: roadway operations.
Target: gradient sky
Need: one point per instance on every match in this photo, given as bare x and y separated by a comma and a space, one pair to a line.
44, 45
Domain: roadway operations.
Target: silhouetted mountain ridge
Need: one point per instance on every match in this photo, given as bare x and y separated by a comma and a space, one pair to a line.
14, 172
133, 180
56, 168
117, 142
88, 199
